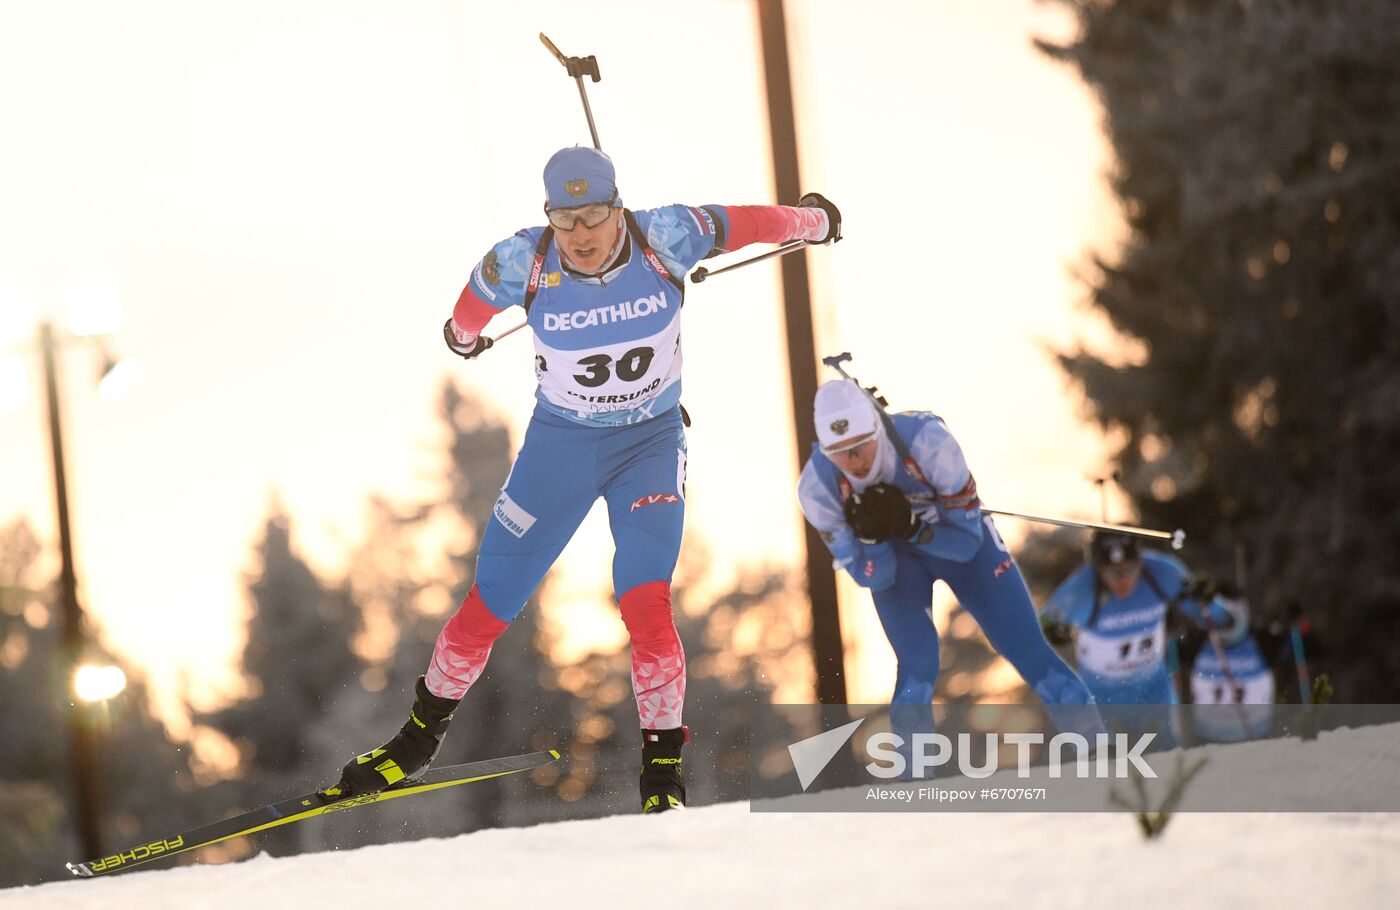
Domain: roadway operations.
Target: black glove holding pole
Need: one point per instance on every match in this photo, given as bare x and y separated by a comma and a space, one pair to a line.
469, 351
1057, 633
833, 216
1200, 588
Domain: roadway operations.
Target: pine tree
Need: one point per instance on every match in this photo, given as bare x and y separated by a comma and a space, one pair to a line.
296, 660
1258, 163
33, 765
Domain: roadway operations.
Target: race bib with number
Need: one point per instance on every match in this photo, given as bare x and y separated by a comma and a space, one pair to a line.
1120, 656
604, 378
1256, 689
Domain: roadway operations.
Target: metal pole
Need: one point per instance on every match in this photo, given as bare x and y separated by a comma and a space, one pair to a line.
702, 273
588, 112
82, 737
1102, 484
828, 654
1176, 538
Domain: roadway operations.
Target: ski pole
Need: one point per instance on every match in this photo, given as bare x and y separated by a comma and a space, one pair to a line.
1300, 662
511, 330
1236, 694
702, 273
1177, 538
578, 67
1174, 669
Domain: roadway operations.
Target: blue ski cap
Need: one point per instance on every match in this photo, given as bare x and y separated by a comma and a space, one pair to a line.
579, 176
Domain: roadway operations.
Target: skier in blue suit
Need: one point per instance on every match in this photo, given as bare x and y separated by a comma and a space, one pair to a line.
602, 287
1249, 684
1233, 690
1117, 607
896, 504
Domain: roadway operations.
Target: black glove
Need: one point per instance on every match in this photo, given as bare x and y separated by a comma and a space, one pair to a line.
880, 513
1179, 627
1057, 633
833, 216
468, 351
1200, 588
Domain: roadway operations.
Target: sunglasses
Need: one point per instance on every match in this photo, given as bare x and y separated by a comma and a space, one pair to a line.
1124, 570
848, 449
591, 215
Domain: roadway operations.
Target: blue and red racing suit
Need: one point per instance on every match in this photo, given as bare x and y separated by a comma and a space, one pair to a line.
963, 549
607, 424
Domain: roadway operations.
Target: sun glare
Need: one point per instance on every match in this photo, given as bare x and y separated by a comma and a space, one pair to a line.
14, 384
98, 683
92, 305
119, 379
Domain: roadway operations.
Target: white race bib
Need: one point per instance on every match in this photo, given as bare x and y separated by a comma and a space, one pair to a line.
611, 377
1121, 656
1257, 689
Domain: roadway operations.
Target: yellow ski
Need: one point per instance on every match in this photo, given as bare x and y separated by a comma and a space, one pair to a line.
303, 807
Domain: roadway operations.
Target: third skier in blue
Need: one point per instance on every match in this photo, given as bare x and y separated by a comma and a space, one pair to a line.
896, 504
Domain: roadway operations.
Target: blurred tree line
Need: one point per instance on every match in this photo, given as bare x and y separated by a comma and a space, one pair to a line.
148, 781
1258, 164
329, 670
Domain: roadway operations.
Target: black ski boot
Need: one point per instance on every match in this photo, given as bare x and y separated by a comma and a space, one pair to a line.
408, 753
663, 785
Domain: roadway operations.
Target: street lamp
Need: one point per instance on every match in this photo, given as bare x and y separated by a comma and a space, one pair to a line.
98, 682
93, 310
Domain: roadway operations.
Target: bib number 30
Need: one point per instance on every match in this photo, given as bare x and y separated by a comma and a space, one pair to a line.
629, 367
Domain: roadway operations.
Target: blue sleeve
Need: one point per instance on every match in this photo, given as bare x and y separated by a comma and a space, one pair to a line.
956, 514
871, 566
1172, 574
1073, 600
500, 277
1220, 618
681, 235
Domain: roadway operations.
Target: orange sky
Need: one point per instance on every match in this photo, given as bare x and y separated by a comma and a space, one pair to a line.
290, 196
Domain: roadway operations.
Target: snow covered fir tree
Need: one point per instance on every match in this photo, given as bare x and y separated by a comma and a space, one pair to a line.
1256, 148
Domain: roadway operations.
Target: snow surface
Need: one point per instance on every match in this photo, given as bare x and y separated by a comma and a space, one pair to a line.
727, 856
